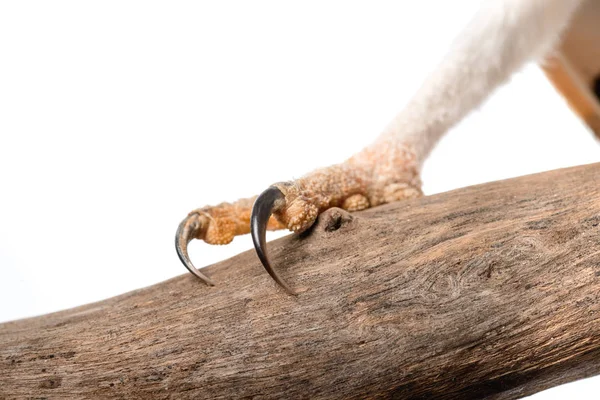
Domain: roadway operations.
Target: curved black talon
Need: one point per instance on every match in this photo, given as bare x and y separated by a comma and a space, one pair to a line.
261, 212
183, 236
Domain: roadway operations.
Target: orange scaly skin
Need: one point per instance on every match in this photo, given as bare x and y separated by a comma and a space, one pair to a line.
221, 223
381, 173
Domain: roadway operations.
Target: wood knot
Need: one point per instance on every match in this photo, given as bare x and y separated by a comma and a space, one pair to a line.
333, 219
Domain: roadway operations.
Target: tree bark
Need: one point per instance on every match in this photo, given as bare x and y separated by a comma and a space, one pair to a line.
491, 291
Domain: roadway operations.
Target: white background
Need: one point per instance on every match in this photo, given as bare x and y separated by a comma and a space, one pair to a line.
119, 117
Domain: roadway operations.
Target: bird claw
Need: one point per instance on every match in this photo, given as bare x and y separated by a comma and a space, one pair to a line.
195, 226
187, 230
268, 201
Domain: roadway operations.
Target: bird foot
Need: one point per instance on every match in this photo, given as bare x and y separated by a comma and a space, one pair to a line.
372, 177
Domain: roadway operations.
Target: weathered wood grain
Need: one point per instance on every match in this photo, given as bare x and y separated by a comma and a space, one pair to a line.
491, 291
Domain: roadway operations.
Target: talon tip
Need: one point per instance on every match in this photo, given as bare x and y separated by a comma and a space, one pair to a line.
182, 239
261, 212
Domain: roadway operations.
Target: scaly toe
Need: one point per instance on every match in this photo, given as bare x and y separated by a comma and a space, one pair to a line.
220, 231
356, 202
400, 191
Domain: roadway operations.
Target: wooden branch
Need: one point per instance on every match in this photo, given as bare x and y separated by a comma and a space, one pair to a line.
491, 291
